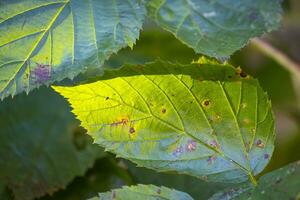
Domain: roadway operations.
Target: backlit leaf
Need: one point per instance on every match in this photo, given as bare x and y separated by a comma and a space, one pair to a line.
216, 27
49, 40
145, 192
207, 120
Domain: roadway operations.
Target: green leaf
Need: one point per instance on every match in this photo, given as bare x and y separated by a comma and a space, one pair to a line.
146, 192
216, 28
195, 187
49, 40
283, 184
41, 148
207, 120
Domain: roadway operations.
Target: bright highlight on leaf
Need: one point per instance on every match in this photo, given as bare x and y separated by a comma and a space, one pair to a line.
145, 192
207, 120
283, 184
216, 28
49, 40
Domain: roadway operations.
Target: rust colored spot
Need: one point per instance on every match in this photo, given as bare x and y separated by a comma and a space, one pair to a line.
106, 98
131, 130
191, 145
260, 144
243, 74
122, 122
206, 102
211, 159
163, 110
266, 156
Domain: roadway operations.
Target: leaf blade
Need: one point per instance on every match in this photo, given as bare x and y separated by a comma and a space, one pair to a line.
147, 192
216, 28
53, 40
172, 117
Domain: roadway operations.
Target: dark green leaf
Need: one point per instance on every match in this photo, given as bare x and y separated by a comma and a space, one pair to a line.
41, 148
145, 192
283, 184
216, 28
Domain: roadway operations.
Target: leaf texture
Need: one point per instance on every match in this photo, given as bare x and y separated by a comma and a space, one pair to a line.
41, 150
283, 183
49, 40
145, 192
216, 27
207, 120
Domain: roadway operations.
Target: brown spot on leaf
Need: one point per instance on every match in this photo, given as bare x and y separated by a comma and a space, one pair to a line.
206, 102
214, 144
106, 98
122, 122
131, 130
163, 110
260, 144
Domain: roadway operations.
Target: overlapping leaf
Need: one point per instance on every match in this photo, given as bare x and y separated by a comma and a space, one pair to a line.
283, 184
146, 192
216, 28
40, 149
48, 40
207, 120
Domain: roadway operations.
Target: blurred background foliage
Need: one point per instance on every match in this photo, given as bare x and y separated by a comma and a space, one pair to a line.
22, 119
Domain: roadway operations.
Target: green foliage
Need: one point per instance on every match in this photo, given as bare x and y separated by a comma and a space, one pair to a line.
52, 40
207, 120
146, 192
280, 184
216, 28
41, 149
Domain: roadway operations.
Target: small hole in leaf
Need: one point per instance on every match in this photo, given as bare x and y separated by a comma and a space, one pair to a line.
243, 74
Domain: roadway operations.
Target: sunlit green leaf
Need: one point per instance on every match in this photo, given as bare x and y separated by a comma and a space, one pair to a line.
41, 149
145, 192
207, 120
216, 28
49, 40
283, 184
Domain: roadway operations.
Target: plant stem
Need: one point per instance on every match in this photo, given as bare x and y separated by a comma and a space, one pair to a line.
278, 56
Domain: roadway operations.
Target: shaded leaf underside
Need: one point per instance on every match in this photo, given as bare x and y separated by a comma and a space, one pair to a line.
49, 40
283, 183
206, 120
145, 192
216, 28
40, 151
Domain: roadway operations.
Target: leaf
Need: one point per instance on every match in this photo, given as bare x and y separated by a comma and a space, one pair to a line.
283, 184
146, 192
207, 120
197, 188
216, 28
41, 149
49, 40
